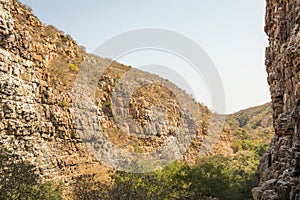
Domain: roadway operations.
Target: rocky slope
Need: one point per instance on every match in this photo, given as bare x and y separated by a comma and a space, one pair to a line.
249, 129
280, 166
38, 66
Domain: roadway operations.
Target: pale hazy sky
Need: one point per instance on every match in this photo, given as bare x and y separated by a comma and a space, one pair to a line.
231, 32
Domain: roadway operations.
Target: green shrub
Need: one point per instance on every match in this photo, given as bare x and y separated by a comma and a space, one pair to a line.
213, 177
18, 180
119, 76
107, 104
236, 146
63, 104
74, 67
87, 188
138, 149
46, 191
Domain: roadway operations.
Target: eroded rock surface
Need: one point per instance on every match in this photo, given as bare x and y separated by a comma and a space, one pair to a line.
38, 68
279, 169
35, 117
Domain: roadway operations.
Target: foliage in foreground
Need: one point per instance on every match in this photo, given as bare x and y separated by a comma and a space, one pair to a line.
19, 181
214, 177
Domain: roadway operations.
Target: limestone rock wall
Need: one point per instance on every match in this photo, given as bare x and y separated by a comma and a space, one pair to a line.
36, 123
38, 68
139, 112
279, 169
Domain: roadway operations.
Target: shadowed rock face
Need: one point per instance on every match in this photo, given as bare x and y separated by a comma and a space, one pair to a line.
279, 169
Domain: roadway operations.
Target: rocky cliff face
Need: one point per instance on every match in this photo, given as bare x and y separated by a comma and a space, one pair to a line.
38, 68
36, 123
279, 169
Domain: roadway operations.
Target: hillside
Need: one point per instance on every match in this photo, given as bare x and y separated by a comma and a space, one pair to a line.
247, 129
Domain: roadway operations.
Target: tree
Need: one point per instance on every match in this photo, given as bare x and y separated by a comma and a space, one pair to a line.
18, 180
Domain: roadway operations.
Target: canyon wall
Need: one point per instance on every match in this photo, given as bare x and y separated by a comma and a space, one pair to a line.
38, 68
279, 169
36, 123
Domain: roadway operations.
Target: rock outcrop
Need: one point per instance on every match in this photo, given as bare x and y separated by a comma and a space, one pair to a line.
279, 169
36, 123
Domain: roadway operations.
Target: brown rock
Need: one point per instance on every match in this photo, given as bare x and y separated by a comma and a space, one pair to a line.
279, 167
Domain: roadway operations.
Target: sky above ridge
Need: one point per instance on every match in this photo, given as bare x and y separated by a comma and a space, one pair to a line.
230, 32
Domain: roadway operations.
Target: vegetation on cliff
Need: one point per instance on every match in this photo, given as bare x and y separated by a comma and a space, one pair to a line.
19, 181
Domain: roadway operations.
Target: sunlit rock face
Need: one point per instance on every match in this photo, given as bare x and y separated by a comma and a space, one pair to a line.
35, 124
38, 69
279, 169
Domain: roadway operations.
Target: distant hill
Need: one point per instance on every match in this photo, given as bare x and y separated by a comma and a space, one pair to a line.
249, 129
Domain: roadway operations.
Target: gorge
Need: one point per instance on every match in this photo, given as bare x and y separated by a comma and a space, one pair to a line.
38, 68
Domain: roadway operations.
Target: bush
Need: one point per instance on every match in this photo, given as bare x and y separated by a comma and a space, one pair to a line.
46, 191
18, 180
255, 146
236, 146
74, 67
212, 178
107, 104
87, 188
63, 104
